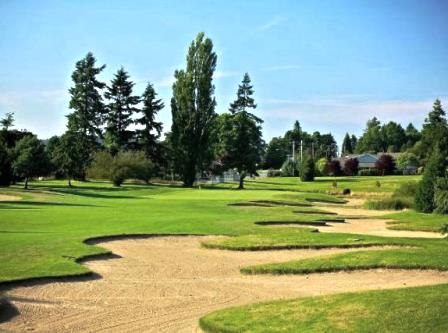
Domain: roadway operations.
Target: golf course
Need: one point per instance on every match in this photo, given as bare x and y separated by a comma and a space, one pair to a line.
168, 258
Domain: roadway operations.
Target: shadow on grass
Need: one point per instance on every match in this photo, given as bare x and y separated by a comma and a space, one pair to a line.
19, 203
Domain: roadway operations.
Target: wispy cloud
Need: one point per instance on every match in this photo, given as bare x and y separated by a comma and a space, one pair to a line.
271, 23
281, 68
346, 110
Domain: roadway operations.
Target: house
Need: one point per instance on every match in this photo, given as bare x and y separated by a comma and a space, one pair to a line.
365, 160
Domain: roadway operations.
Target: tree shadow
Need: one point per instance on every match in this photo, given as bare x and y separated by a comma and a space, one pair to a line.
7, 310
19, 203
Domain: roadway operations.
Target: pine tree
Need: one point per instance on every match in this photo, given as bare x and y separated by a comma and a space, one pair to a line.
307, 169
244, 98
7, 121
193, 110
121, 107
88, 109
435, 130
424, 197
347, 145
241, 136
150, 133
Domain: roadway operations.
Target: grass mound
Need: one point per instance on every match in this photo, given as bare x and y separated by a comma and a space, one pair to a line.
397, 311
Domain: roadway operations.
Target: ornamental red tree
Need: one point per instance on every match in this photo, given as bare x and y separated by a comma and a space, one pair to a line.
334, 168
351, 167
385, 164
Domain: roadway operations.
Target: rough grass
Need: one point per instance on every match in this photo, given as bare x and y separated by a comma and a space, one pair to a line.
421, 309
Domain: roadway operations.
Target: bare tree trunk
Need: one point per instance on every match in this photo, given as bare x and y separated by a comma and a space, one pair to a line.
241, 185
26, 183
69, 182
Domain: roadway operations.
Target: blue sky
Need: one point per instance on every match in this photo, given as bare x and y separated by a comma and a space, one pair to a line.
329, 64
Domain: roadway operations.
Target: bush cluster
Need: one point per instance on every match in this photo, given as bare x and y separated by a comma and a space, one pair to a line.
124, 165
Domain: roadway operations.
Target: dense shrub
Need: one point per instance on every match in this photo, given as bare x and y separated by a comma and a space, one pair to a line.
334, 168
290, 168
274, 173
322, 166
124, 165
307, 169
424, 197
346, 191
368, 172
385, 164
351, 167
441, 196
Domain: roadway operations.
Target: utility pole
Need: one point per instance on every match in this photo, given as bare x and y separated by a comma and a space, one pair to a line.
301, 151
293, 157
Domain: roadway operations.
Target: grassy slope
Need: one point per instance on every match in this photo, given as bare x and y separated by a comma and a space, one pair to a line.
422, 309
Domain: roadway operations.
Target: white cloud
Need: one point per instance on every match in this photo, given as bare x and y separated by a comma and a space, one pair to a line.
271, 23
346, 110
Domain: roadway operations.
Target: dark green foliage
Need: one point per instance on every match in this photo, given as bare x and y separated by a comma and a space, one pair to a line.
276, 153
121, 166
121, 107
88, 109
240, 136
412, 136
244, 99
435, 131
385, 164
351, 167
30, 159
67, 154
150, 133
7, 121
5, 165
424, 198
347, 147
393, 137
441, 196
370, 141
193, 110
307, 169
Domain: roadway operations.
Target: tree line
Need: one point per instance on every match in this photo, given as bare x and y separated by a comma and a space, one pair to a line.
113, 132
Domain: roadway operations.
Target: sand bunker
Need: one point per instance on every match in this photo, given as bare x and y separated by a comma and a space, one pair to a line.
165, 284
371, 225
7, 197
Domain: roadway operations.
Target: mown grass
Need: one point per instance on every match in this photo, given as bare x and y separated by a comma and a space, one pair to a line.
42, 234
422, 309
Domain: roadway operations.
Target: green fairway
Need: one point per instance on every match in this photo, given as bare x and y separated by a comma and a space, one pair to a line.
42, 234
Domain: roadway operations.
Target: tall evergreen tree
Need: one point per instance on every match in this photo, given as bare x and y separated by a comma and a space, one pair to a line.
241, 136
347, 145
394, 137
435, 130
121, 107
150, 133
354, 142
371, 140
88, 109
436, 167
193, 110
412, 135
7, 121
